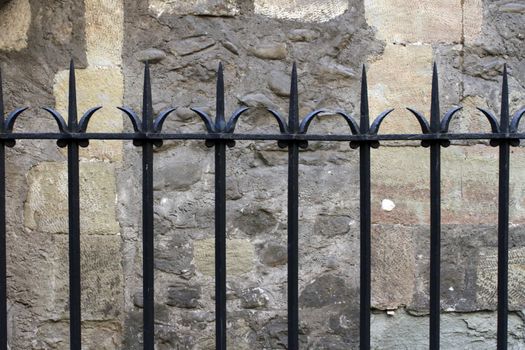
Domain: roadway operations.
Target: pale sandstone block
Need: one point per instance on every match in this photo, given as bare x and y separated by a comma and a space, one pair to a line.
95, 87
15, 19
400, 78
194, 7
46, 206
302, 10
104, 32
426, 21
240, 256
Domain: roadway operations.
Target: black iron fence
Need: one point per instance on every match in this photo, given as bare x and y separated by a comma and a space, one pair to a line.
293, 134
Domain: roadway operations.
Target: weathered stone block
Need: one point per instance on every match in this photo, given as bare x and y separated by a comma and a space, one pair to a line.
393, 266
15, 19
274, 254
184, 296
270, 51
426, 21
487, 279
325, 290
302, 10
95, 336
104, 32
458, 331
46, 207
95, 87
253, 298
469, 185
194, 7
400, 78
332, 225
101, 279
255, 221
239, 256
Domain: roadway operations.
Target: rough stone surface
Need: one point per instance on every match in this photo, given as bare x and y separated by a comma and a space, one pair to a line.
458, 331
424, 21
302, 10
194, 7
487, 278
239, 256
46, 205
467, 198
271, 51
401, 78
15, 19
184, 296
393, 266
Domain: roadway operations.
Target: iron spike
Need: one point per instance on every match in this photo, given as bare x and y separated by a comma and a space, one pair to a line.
219, 121
293, 118
434, 105
72, 107
504, 123
364, 124
147, 104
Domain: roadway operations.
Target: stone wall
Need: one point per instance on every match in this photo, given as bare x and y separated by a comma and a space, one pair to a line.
258, 40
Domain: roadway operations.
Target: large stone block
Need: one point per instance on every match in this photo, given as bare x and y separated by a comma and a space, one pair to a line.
104, 32
15, 19
194, 7
302, 10
426, 21
469, 185
401, 78
240, 256
95, 87
46, 207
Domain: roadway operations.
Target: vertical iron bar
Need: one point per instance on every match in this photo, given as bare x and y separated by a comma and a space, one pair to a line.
74, 218
293, 219
220, 244
147, 218
220, 220
503, 218
435, 217
365, 218
3, 248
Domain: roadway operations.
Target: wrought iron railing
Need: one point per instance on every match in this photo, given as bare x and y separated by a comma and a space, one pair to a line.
293, 134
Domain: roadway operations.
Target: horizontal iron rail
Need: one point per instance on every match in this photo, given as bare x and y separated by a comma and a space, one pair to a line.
260, 137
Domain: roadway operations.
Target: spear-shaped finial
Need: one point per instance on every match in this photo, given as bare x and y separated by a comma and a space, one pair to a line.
504, 123
365, 114
220, 122
434, 104
72, 103
293, 118
147, 104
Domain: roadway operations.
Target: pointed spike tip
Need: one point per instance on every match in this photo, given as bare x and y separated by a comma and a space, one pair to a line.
220, 68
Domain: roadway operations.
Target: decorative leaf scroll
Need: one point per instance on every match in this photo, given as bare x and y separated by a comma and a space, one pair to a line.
133, 117
84, 121
12, 117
